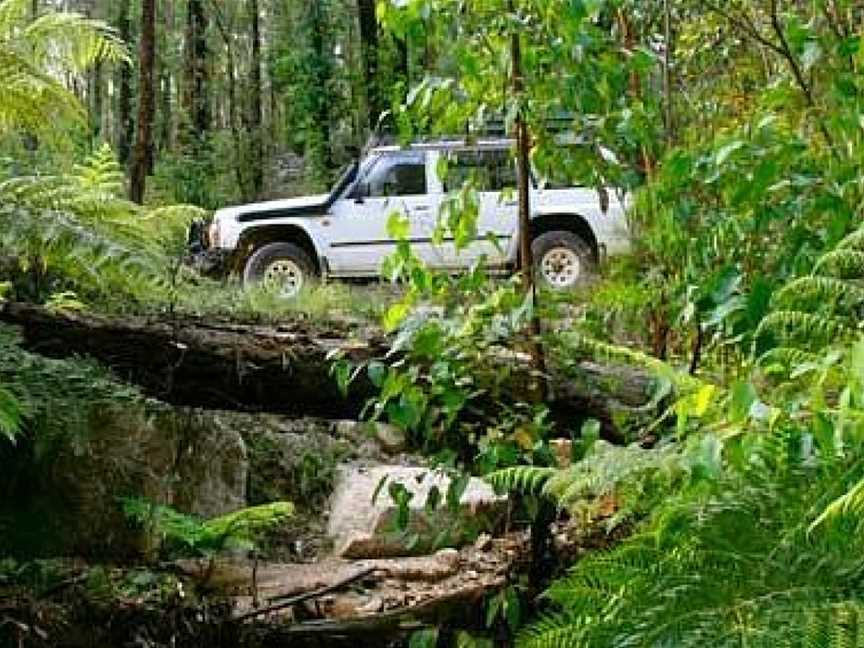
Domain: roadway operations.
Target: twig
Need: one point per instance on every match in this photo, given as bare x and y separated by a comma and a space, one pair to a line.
294, 600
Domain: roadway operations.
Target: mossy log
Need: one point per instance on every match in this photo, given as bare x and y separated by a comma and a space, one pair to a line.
283, 368
210, 364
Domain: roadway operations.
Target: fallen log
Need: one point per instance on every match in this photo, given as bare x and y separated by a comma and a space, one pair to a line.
215, 365
284, 368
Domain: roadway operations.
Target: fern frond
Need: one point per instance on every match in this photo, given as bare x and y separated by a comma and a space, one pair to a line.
787, 357
576, 343
853, 241
844, 263
850, 504
521, 479
10, 415
72, 41
816, 330
35, 56
821, 290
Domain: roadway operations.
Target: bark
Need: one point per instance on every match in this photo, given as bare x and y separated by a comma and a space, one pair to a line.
125, 123
369, 41
204, 364
526, 255
142, 158
166, 86
255, 106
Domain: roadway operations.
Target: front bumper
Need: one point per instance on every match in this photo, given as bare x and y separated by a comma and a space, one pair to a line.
199, 256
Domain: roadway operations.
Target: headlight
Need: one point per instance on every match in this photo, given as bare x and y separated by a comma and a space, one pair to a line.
214, 236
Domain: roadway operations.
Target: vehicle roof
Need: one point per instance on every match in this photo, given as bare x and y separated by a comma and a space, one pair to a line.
450, 145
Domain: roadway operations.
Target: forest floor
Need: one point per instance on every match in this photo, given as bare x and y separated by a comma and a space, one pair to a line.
274, 367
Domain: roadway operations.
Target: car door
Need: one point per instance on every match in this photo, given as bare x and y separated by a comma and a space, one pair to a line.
491, 172
393, 182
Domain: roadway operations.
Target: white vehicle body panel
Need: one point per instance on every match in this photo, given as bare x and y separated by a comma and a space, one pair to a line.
350, 235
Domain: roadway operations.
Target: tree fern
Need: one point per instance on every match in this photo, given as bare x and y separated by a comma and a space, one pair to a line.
35, 54
79, 227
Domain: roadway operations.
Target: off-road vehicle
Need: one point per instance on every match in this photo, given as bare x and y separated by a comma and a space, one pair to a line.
344, 234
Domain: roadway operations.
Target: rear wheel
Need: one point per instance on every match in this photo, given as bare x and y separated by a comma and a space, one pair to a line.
285, 268
562, 260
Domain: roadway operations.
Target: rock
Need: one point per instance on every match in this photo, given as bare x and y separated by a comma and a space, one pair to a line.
391, 438
212, 469
149, 451
363, 515
483, 542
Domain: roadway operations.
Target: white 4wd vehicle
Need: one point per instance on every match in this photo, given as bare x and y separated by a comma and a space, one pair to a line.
286, 243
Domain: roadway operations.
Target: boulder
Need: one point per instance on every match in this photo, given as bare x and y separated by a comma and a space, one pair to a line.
389, 438
212, 468
195, 463
364, 516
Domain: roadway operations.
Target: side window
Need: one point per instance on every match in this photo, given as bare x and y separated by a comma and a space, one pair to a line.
488, 170
401, 175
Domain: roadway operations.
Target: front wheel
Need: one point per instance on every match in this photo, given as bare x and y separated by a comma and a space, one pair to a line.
282, 267
562, 260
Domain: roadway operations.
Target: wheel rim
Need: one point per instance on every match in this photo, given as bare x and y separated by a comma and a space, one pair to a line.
561, 267
285, 276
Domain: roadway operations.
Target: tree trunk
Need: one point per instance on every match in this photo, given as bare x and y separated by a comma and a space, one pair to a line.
526, 255
124, 122
321, 95
233, 121
255, 107
98, 101
142, 157
369, 43
197, 78
166, 83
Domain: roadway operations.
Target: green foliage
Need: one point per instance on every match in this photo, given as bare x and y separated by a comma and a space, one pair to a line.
76, 232
734, 567
56, 397
814, 312
10, 415
34, 56
187, 534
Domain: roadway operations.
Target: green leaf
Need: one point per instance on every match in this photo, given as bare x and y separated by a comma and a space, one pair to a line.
398, 226
742, 396
424, 639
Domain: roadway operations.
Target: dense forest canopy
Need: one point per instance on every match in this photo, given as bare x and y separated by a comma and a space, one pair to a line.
680, 433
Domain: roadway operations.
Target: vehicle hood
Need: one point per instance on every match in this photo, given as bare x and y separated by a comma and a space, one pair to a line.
305, 206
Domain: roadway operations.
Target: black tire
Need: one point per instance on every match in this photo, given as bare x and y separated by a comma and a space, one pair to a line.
563, 260
293, 258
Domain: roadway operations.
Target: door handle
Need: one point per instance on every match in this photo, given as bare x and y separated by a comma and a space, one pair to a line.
420, 209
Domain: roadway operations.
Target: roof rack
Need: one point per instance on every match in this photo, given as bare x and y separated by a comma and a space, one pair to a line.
494, 128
